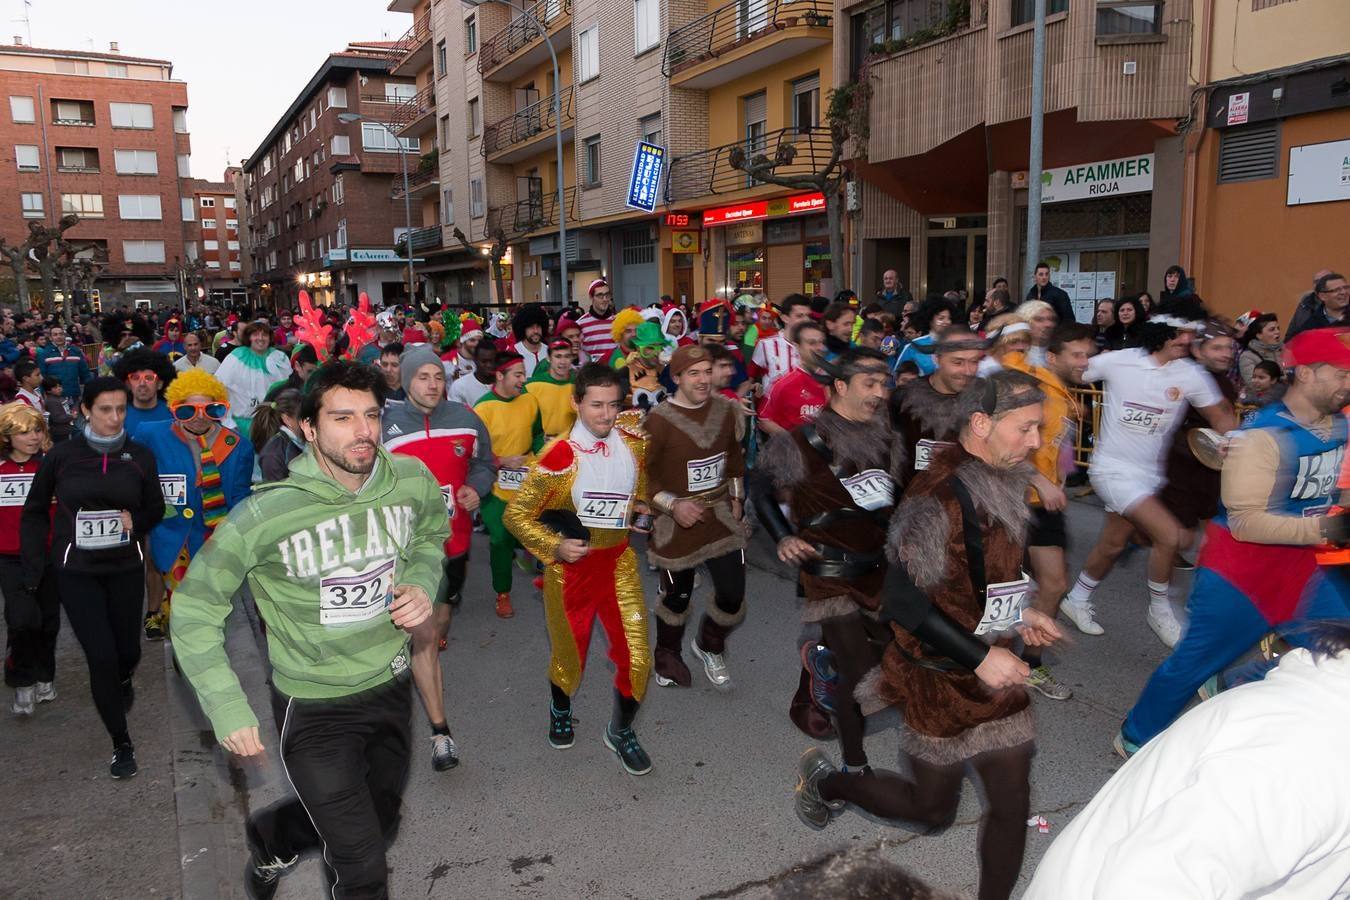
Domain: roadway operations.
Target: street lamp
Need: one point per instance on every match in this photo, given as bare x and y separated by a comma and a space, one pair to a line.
565, 290
349, 117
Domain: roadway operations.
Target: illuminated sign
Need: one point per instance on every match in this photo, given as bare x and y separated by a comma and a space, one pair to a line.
649, 161
764, 209
678, 219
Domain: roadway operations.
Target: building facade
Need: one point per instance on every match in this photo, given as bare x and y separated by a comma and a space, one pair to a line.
217, 244
321, 214
102, 136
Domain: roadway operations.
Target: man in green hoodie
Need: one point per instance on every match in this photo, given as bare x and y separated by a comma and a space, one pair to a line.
342, 558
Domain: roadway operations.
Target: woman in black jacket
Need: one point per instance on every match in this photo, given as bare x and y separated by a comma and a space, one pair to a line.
107, 493
1130, 316
276, 435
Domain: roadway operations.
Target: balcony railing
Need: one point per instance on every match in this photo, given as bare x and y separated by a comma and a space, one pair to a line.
526, 124
520, 32
428, 238
421, 104
736, 24
417, 181
711, 171
411, 42
528, 215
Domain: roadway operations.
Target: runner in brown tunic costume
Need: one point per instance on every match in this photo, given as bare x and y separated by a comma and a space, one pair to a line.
837, 476
696, 472
956, 545
925, 412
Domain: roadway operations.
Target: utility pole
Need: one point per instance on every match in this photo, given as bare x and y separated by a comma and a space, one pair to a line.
1037, 147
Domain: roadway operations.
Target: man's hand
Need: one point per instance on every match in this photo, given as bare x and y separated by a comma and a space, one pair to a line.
1053, 497
1336, 529
244, 742
1038, 629
572, 549
795, 551
411, 606
511, 462
126, 521
467, 498
1002, 669
687, 513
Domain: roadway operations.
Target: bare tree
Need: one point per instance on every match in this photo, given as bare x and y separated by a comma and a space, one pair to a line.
17, 258
496, 252
48, 249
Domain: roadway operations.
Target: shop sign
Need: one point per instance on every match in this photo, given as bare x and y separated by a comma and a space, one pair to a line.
1112, 178
685, 241
1239, 108
1319, 173
749, 233
644, 184
764, 209
377, 256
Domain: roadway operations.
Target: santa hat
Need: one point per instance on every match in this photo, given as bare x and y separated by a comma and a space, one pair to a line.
597, 283
565, 323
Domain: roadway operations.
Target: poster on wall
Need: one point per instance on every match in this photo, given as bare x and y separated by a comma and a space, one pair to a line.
1319, 173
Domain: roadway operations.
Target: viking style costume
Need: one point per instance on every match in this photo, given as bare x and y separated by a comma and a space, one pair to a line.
928, 422
696, 456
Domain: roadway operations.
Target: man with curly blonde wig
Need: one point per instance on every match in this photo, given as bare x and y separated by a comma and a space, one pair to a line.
205, 469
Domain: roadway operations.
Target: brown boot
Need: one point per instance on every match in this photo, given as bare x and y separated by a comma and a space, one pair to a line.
808, 717
670, 667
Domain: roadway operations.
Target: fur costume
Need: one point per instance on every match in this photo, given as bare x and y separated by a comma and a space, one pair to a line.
527, 315
921, 414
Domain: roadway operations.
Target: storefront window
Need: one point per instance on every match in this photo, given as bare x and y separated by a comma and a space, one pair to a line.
745, 269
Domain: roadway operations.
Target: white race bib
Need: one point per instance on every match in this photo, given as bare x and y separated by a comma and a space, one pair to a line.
99, 529
174, 488
604, 509
925, 450
1141, 418
870, 489
511, 479
707, 473
14, 489
448, 495
347, 596
1003, 604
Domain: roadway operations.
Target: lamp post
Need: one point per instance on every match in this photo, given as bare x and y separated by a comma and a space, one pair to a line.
565, 290
407, 198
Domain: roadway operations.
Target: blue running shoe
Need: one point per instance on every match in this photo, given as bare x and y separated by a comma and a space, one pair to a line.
819, 664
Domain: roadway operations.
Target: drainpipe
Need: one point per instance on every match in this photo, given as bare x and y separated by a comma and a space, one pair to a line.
1193, 139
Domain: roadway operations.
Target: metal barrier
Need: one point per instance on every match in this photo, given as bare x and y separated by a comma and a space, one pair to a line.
1091, 399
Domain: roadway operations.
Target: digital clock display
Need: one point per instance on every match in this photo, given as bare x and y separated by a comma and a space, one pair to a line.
677, 219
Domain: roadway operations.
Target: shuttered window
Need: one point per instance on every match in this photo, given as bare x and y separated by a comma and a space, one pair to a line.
1251, 153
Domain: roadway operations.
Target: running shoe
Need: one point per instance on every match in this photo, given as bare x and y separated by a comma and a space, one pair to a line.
813, 809
444, 756
1125, 748
154, 626
504, 610
1042, 681
23, 701
714, 666
1212, 687
455, 600
262, 874
1183, 564
625, 745
123, 763
560, 733
818, 662
1081, 615
46, 691
1165, 625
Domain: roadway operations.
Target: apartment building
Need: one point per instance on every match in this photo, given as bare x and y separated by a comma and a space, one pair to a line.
321, 213
943, 180
104, 136
213, 217
1268, 153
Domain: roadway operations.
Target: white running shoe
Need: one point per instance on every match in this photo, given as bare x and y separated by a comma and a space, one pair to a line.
1165, 625
1081, 615
46, 691
23, 701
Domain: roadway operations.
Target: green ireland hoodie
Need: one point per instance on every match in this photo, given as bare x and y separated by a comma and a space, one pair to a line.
321, 562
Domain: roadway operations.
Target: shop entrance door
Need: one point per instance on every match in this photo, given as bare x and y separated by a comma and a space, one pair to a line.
956, 262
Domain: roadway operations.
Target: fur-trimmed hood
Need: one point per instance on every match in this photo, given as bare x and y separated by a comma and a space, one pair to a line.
937, 414
855, 445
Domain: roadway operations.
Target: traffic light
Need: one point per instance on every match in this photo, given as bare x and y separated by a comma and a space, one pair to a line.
95, 301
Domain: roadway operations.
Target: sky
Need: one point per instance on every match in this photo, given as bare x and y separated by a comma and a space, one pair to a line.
244, 61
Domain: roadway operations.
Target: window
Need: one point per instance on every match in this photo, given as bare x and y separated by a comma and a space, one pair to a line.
232, 224
208, 224
300, 250
26, 156
143, 251
1249, 153
115, 70
646, 24
442, 60
139, 206
592, 173
73, 112
313, 119
232, 245
471, 35
445, 131
337, 97
806, 103
135, 162
76, 159
753, 110
475, 117
230, 203
340, 145
86, 206
213, 264
189, 213
1128, 17
339, 193
448, 206
299, 171
72, 66
396, 92
475, 197
180, 120
211, 245
649, 129
132, 115
32, 206
375, 136
208, 202
1024, 11
21, 110
267, 164
340, 239
184, 166
588, 53
235, 265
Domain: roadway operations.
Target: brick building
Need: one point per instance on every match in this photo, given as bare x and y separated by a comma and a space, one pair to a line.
104, 136
215, 217
320, 213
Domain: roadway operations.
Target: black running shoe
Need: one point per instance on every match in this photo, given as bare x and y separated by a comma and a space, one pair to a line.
625, 745
1184, 565
123, 762
262, 873
560, 733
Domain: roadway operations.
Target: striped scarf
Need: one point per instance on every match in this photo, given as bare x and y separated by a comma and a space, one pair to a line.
213, 496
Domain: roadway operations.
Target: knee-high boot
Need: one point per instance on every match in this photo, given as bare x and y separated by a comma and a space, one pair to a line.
669, 664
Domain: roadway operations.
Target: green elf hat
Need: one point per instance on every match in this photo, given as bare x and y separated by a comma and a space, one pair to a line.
649, 335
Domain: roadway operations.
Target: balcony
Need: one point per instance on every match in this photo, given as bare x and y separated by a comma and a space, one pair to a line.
529, 131
710, 172
416, 116
527, 216
519, 47
743, 37
381, 106
424, 180
428, 238
412, 53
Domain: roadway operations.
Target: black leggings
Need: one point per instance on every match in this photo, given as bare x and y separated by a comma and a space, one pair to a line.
932, 798
33, 626
105, 613
728, 578
856, 643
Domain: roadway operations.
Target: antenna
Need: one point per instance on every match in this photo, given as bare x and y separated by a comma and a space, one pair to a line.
26, 20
